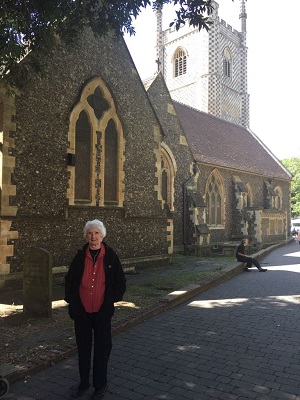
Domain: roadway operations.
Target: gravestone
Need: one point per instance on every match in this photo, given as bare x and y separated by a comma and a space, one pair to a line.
37, 283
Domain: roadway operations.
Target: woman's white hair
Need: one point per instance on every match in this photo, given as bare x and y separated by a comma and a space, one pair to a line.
95, 224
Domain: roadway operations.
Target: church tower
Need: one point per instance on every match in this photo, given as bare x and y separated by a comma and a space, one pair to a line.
207, 70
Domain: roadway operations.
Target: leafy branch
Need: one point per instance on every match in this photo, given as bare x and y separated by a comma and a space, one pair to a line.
34, 26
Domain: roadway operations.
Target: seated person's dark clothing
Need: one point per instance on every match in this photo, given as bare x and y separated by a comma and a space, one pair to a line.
240, 249
248, 260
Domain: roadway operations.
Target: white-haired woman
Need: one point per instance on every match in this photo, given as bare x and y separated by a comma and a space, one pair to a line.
94, 282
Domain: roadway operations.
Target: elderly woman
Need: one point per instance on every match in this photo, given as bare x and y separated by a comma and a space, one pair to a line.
94, 282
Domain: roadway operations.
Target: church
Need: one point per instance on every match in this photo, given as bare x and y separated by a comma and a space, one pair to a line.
242, 187
162, 163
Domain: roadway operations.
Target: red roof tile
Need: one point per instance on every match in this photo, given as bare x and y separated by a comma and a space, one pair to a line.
218, 142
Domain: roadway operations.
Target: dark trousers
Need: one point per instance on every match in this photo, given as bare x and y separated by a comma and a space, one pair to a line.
85, 329
249, 261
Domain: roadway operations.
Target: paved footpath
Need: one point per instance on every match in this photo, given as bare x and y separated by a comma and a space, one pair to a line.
239, 340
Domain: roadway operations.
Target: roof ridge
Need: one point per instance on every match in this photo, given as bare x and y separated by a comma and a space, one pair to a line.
211, 115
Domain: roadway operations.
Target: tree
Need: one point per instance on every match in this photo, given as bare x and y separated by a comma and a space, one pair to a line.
293, 165
35, 25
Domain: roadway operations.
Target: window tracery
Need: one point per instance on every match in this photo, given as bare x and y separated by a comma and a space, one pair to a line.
96, 140
214, 197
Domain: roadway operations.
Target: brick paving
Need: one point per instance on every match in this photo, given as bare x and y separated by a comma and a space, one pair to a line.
239, 340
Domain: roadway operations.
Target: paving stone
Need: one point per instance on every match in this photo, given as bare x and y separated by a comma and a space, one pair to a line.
231, 342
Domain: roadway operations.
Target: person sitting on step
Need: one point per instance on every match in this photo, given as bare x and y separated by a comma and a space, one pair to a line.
242, 257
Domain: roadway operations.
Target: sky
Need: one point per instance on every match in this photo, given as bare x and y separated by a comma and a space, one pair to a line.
273, 65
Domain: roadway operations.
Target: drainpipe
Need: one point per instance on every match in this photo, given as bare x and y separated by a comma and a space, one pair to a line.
184, 201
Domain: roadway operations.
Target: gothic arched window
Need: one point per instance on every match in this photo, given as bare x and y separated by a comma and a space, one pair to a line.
214, 197
179, 60
168, 170
111, 163
83, 158
227, 63
249, 195
277, 200
96, 140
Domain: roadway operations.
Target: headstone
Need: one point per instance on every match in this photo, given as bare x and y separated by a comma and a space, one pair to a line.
37, 283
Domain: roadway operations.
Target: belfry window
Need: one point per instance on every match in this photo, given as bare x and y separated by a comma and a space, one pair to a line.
227, 63
180, 61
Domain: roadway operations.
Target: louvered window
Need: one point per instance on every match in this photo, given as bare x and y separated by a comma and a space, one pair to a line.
180, 62
227, 63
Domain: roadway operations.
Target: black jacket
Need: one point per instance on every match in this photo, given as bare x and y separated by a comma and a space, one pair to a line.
115, 283
241, 249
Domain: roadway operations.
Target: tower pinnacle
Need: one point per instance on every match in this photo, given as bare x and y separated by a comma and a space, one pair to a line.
159, 44
243, 15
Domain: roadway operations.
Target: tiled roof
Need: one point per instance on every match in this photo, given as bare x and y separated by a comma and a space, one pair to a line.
221, 143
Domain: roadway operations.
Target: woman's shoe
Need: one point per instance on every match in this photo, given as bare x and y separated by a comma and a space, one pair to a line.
78, 391
99, 393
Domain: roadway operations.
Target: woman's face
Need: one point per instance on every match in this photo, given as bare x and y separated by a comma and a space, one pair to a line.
94, 237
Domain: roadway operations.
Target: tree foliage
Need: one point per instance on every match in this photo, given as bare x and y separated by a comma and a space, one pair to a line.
293, 165
34, 25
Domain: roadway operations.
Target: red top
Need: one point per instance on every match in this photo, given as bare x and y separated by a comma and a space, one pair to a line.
92, 286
